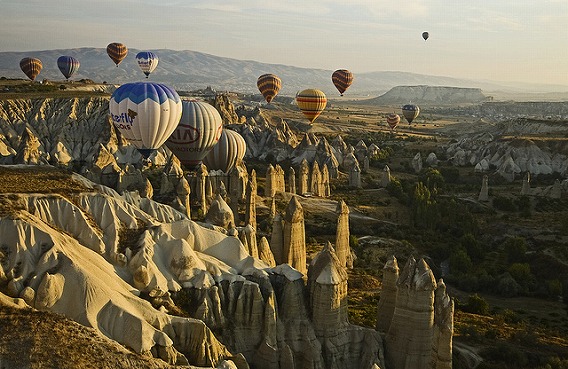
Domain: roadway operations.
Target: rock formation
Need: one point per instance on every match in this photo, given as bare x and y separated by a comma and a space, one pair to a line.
355, 176
526, 188
294, 240
292, 181
303, 179
277, 239
556, 191
342, 249
484, 193
250, 211
415, 339
387, 303
183, 192
385, 177
315, 180
417, 163
220, 213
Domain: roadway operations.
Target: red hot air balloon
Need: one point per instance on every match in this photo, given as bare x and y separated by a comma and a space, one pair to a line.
117, 52
31, 67
393, 120
269, 85
342, 79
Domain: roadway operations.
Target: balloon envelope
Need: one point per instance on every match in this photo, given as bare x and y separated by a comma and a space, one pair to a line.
269, 85
425, 35
31, 67
145, 113
228, 152
68, 65
198, 131
393, 120
410, 112
342, 79
117, 52
147, 61
311, 102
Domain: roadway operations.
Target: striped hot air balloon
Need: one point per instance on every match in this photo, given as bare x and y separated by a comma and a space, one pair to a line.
145, 113
410, 112
311, 102
68, 65
342, 79
198, 131
31, 67
269, 85
393, 120
147, 61
229, 152
117, 52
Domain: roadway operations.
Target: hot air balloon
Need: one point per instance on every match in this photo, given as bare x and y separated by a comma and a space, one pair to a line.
198, 131
147, 61
228, 152
269, 85
68, 65
31, 67
393, 120
145, 113
117, 52
342, 79
311, 102
410, 112
425, 35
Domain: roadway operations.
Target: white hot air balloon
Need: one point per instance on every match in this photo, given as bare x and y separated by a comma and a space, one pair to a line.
197, 133
228, 152
147, 61
145, 113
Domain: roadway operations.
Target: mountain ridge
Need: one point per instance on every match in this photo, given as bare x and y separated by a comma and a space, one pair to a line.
189, 70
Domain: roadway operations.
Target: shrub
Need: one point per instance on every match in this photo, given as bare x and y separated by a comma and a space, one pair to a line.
504, 204
476, 305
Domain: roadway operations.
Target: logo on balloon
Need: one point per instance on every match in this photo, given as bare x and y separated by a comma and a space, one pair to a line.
184, 134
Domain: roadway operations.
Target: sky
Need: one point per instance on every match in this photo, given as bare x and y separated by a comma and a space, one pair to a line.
497, 40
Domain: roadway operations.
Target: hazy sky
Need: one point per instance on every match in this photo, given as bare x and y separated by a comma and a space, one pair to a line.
501, 40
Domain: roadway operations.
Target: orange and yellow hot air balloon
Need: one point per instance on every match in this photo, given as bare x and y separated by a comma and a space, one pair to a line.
269, 85
342, 79
31, 67
117, 52
311, 102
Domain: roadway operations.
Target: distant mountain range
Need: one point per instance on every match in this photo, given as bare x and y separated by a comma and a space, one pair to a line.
190, 70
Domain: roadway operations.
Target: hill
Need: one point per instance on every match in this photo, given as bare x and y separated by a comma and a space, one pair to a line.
422, 94
189, 70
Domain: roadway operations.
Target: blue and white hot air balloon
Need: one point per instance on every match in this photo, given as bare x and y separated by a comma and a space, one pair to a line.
145, 113
147, 61
68, 65
198, 131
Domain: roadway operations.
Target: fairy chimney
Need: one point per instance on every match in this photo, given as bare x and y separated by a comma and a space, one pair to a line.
342, 248
294, 250
387, 302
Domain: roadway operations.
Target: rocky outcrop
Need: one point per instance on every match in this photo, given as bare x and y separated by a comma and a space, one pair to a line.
431, 94
342, 249
419, 336
294, 240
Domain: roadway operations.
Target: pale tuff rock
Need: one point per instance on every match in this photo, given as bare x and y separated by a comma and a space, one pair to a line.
482, 166
200, 194
265, 253
183, 191
556, 191
409, 338
129, 179
417, 163
270, 187
234, 204
292, 181
508, 169
389, 290
484, 193
303, 179
280, 183
294, 247
30, 150
355, 176
365, 164
325, 181
166, 186
373, 150
277, 239
349, 160
238, 179
432, 160
220, 213
340, 147
385, 177
360, 150
65, 282
221, 191
250, 235
225, 108
147, 191
443, 328
272, 211
250, 210
326, 154
526, 188
327, 281
315, 180
342, 249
